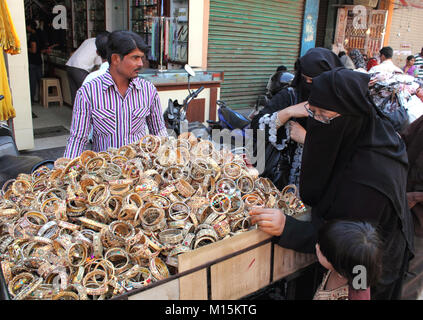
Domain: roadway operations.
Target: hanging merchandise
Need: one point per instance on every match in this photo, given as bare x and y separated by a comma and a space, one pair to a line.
393, 95
6, 108
166, 39
10, 43
9, 40
153, 40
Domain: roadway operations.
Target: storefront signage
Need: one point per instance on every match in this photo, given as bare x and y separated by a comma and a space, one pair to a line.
59, 21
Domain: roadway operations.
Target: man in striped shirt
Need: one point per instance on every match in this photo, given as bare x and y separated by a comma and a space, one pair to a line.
117, 105
419, 64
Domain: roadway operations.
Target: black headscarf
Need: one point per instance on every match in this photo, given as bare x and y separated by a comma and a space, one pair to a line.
413, 138
357, 58
360, 145
313, 63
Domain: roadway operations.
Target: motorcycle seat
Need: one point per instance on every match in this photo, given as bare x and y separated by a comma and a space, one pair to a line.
234, 119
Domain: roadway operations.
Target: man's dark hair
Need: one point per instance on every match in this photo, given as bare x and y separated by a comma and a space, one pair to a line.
32, 23
348, 243
101, 44
341, 53
281, 68
124, 42
388, 52
409, 58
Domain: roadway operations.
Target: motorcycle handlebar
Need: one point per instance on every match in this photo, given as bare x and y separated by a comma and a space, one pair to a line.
192, 96
196, 92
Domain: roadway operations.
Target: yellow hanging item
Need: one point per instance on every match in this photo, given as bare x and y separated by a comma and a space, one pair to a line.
8, 37
6, 108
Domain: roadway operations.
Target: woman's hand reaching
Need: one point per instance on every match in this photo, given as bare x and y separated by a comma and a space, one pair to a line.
297, 132
271, 221
294, 111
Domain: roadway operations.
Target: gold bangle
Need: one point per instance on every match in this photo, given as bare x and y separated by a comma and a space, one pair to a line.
95, 165
171, 236
97, 213
92, 224
232, 170
200, 242
92, 287
65, 295
21, 187
111, 255
188, 241
149, 143
7, 272
20, 281
49, 230
98, 194
184, 188
86, 156
121, 230
222, 228
179, 211
114, 206
245, 184
35, 219
220, 203
81, 255
158, 268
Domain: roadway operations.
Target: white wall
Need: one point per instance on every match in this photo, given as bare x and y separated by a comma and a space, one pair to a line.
19, 80
406, 36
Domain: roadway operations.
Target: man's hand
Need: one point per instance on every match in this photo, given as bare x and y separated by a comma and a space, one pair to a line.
271, 221
297, 132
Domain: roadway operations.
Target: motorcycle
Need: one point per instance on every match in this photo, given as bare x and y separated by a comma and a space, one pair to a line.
175, 114
8, 147
230, 122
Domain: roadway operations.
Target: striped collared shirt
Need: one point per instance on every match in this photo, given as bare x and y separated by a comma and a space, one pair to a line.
116, 120
419, 64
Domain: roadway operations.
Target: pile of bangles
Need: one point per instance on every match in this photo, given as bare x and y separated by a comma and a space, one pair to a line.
106, 223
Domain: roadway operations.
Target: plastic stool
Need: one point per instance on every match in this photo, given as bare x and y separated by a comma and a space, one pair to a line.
47, 83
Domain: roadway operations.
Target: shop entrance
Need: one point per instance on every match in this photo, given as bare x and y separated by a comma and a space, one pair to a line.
152, 19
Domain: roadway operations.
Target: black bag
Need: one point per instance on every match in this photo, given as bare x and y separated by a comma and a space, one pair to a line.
278, 162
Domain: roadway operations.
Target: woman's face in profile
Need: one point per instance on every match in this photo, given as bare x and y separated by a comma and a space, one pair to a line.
321, 115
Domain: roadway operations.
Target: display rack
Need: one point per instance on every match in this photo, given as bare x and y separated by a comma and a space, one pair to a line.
139, 9
96, 17
79, 22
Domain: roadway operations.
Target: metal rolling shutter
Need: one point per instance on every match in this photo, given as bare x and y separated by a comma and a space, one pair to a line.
248, 40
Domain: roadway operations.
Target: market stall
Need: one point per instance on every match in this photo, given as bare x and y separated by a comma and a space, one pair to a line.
159, 219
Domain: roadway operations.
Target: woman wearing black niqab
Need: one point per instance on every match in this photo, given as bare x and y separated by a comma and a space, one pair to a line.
311, 64
354, 167
286, 105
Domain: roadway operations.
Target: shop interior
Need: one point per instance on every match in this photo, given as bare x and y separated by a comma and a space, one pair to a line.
163, 24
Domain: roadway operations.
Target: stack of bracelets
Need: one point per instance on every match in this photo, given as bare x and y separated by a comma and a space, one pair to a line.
106, 223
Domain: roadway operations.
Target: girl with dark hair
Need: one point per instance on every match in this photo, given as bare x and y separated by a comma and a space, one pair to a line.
409, 67
350, 251
354, 166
